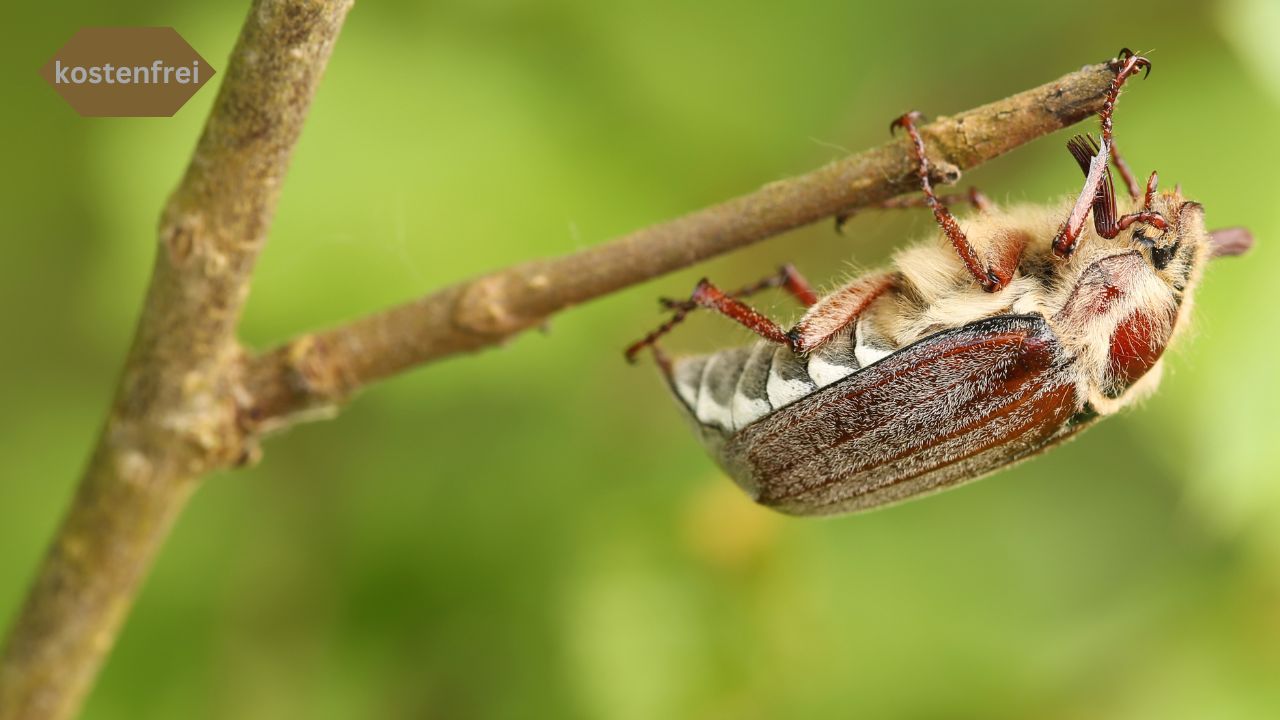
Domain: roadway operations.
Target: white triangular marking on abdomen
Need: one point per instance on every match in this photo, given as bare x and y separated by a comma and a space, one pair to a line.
715, 396
834, 360
870, 347
788, 379
750, 398
686, 377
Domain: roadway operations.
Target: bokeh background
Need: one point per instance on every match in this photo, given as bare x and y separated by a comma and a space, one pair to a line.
532, 531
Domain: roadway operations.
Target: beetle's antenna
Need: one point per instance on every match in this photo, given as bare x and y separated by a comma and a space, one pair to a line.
1085, 151
1127, 64
1105, 219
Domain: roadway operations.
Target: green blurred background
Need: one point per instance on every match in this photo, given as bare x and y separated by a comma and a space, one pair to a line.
532, 531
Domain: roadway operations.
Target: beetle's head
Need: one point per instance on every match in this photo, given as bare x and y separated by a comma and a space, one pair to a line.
1179, 251
1126, 303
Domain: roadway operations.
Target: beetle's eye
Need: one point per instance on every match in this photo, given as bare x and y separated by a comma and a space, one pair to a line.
1162, 256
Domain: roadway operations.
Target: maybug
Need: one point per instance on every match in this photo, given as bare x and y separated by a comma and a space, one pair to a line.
1008, 332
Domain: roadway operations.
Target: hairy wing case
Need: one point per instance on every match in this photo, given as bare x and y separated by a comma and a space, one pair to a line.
951, 407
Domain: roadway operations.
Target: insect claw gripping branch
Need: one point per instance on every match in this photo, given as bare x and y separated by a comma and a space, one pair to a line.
990, 279
1097, 173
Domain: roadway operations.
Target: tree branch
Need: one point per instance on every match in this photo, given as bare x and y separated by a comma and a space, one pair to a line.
189, 402
322, 369
175, 415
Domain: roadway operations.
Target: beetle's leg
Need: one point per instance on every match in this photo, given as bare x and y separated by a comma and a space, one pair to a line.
973, 196
1146, 216
1122, 167
787, 278
823, 320
835, 311
1064, 243
713, 298
1149, 198
651, 340
988, 280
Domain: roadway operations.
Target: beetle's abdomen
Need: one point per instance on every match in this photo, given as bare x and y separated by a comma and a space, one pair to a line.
730, 389
949, 408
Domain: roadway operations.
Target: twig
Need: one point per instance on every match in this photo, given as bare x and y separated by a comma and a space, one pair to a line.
174, 417
321, 369
189, 401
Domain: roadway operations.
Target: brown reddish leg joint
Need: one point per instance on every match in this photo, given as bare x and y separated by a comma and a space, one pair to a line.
709, 296
820, 323
787, 278
1097, 178
1150, 197
1146, 216
1126, 64
1154, 219
991, 279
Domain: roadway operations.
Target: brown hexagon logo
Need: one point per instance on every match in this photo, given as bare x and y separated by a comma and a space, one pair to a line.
126, 71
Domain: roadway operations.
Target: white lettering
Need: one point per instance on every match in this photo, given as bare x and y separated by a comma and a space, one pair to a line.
157, 72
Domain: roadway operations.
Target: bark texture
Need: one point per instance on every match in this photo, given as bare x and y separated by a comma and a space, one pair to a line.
324, 368
176, 413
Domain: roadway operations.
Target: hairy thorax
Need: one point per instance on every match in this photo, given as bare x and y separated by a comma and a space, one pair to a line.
1110, 308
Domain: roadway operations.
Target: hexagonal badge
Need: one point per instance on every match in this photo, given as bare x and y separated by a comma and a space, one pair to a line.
126, 71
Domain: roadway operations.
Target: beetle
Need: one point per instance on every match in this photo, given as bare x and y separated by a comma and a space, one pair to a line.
1007, 333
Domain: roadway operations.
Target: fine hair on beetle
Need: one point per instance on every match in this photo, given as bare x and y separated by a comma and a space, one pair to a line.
1003, 333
